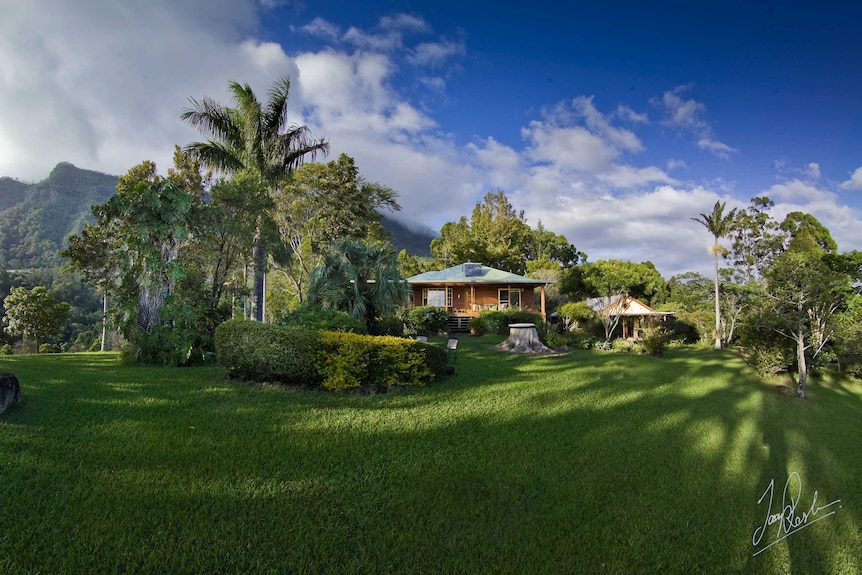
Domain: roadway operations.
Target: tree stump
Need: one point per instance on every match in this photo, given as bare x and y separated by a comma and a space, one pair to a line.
10, 391
523, 338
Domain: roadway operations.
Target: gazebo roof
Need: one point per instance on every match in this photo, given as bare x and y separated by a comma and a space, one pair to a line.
473, 273
629, 307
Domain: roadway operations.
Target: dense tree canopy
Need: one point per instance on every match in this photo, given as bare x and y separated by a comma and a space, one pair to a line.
498, 236
34, 313
255, 138
321, 204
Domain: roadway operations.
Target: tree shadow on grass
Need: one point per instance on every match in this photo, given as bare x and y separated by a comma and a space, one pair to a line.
585, 463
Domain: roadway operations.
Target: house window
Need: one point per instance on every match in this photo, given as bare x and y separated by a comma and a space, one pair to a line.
437, 297
510, 298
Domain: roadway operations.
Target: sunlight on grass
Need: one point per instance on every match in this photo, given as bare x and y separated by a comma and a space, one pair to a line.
585, 462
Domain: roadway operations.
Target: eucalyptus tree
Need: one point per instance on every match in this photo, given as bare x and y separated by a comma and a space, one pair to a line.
94, 253
255, 137
719, 224
362, 279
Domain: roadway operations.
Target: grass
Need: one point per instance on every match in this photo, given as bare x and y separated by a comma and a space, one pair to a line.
590, 462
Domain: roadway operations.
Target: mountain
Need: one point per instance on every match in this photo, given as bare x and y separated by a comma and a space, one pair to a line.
36, 219
416, 242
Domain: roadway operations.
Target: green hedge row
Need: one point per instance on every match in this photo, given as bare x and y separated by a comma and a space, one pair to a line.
333, 360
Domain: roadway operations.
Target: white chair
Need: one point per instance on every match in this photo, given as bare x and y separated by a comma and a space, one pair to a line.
452, 349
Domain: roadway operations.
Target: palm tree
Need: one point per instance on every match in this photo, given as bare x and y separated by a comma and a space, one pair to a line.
719, 225
255, 138
361, 279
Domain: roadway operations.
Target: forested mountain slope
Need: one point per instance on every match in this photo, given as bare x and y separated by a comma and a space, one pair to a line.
36, 219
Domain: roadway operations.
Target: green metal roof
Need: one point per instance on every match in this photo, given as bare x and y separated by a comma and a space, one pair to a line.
480, 275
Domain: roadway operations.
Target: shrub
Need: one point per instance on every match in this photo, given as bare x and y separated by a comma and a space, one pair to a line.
49, 348
425, 319
655, 340
314, 317
351, 360
495, 321
388, 325
478, 325
259, 351
334, 360
574, 314
6, 349
623, 345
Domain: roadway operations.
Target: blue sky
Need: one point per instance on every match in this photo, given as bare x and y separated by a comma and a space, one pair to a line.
614, 124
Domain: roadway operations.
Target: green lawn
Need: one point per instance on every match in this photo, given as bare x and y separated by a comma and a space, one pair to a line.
590, 462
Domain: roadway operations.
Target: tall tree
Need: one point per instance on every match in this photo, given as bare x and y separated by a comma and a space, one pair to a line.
94, 253
496, 236
254, 137
807, 287
719, 224
152, 216
362, 279
320, 204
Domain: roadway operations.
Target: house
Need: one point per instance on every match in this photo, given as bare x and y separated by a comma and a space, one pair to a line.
632, 314
467, 289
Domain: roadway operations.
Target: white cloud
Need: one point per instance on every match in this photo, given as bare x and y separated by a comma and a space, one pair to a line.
685, 116
797, 191
389, 35
674, 163
855, 181
626, 113
435, 53
574, 147
322, 28
812, 171
719, 149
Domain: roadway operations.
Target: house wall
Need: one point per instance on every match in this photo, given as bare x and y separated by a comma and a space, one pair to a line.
472, 300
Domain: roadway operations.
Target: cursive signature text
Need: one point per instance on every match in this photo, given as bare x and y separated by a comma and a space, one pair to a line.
789, 518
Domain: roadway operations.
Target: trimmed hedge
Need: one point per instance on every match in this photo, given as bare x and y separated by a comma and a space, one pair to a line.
266, 352
312, 317
333, 360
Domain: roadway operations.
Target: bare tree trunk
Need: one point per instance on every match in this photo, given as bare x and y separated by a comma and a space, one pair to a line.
104, 319
800, 359
258, 303
717, 306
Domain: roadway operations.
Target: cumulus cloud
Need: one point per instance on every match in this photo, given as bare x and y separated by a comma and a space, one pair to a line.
855, 181
812, 171
92, 89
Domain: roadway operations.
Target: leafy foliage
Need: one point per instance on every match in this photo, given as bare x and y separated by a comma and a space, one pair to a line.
34, 313
36, 219
333, 360
313, 317
320, 204
425, 319
359, 278
255, 138
498, 236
